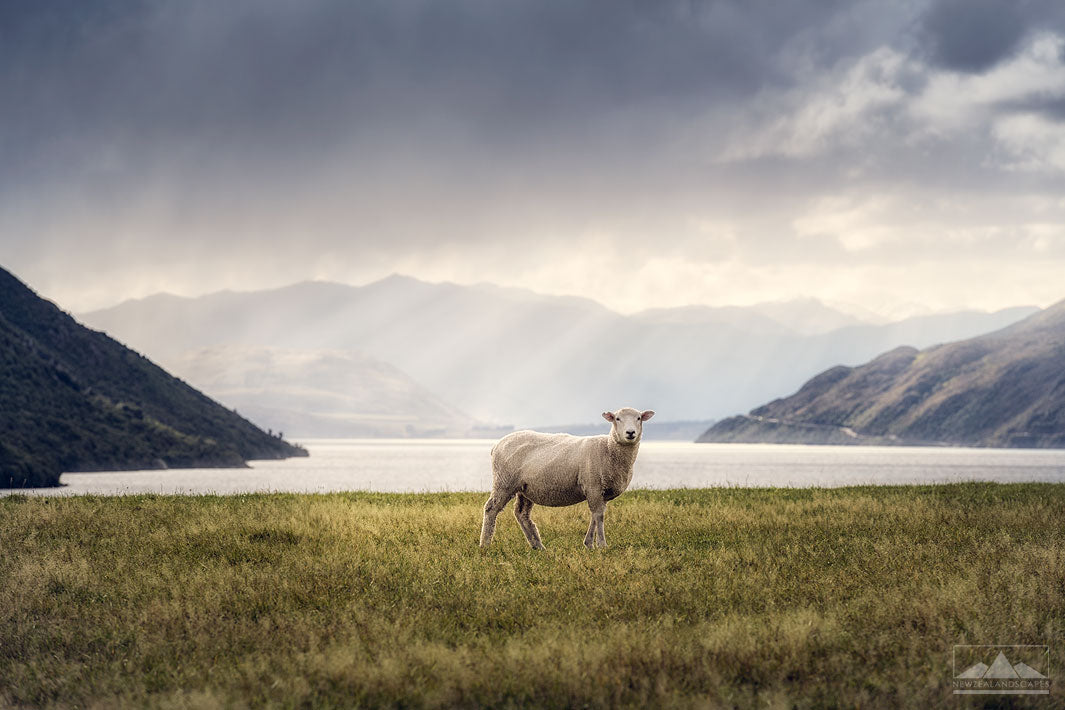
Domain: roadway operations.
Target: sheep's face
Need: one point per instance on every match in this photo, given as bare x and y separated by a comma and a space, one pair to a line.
627, 424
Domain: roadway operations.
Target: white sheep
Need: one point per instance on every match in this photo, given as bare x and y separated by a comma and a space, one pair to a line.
560, 469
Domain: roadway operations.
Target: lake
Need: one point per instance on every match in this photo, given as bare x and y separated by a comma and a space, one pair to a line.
429, 465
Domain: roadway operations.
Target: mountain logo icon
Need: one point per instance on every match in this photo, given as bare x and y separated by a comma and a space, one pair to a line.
1001, 668
976, 671
1028, 673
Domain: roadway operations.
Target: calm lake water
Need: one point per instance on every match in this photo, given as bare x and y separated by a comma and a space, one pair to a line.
462, 465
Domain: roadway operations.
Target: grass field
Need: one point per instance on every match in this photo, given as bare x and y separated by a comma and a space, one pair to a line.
726, 597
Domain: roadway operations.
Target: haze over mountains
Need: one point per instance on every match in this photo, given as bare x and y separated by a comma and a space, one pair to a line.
325, 393
1006, 389
506, 356
803, 316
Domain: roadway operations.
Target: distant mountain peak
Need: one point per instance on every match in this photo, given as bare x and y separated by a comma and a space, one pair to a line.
397, 278
806, 315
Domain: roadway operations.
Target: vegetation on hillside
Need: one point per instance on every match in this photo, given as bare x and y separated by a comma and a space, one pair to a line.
1002, 389
72, 399
713, 598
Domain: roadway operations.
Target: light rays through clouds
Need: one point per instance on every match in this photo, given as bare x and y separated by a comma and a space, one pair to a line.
897, 156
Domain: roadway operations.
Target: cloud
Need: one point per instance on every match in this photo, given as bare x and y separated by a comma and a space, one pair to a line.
1012, 105
1032, 143
1050, 106
754, 151
844, 108
972, 36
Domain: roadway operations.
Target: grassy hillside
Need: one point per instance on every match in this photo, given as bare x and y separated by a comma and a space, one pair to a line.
1002, 389
713, 598
72, 399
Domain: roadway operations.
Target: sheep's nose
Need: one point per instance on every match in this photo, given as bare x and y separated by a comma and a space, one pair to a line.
631, 433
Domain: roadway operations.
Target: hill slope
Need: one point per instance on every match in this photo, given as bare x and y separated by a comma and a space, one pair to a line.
1006, 389
72, 399
320, 393
509, 356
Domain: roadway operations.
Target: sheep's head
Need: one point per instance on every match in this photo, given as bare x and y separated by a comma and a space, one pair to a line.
627, 424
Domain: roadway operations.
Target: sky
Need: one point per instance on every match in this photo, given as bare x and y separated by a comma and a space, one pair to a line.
901, 156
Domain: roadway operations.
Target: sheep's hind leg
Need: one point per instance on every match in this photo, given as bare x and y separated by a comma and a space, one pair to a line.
492, 508
523, 512
595, 525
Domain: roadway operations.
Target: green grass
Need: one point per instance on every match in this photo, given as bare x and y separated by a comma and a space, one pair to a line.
710, 598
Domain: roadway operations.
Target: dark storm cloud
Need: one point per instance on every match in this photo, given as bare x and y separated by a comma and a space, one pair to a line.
248, 106
1050, 106
972, 36
168, 134
152, 81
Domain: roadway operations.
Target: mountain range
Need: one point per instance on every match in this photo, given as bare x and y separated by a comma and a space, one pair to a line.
506, 356
72, 399
324, 393
1005, 389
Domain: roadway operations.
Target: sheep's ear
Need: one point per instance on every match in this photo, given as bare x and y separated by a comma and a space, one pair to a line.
609, 416
647, 415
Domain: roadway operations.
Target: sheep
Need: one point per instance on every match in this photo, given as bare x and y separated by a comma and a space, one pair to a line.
560, 469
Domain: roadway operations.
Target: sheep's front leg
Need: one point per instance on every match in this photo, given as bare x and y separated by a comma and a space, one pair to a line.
595, 527
589, 538
599, 519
